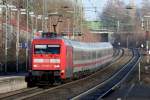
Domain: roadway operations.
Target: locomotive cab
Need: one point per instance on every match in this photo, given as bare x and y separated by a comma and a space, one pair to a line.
46, 62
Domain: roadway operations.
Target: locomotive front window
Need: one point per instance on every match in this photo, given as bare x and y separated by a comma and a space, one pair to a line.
47, 49
53, 49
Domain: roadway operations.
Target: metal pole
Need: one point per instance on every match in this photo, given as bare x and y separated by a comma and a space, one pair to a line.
68, 27
50, 24
74, 20
58, 26
11, 30
82, 19
81, 16
42, 23
43, 16
46, 13
46, 29
6, 40
1, 37
118, 26
11, 20
32, 21
142, 24
139, 72
147, 25
36, 23
27, 38
17, 42
147, 51
127, 40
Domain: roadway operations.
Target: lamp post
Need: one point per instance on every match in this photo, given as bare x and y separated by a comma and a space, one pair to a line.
6, 32
140, 66
27, 34
6, 40
24, 12
32, 23
139, 71
17, 42
68, 27
43, 18
17, 38
75, 18
6, 6
19, 12
118, 26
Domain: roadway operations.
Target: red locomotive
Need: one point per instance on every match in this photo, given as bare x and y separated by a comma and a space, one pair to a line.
58, 59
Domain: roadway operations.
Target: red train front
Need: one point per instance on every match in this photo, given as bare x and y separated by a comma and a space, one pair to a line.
48, 61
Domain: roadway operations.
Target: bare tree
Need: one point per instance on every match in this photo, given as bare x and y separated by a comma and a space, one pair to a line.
129, 27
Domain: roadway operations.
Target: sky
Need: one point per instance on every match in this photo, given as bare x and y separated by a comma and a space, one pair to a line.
90, 13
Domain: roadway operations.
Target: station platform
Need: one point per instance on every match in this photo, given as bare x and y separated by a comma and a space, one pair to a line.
12, 81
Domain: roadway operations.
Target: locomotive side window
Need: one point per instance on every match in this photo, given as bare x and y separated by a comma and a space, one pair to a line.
47, 49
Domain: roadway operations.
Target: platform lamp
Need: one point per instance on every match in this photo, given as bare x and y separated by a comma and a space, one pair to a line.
19, 12
25, 12
4, 6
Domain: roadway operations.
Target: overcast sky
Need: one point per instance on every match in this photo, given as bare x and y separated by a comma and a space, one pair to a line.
90, 13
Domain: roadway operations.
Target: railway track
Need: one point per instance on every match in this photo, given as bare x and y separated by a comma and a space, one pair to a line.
99, 91
34, 92
16, 94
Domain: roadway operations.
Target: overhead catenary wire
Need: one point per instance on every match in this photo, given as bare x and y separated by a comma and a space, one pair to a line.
92, 7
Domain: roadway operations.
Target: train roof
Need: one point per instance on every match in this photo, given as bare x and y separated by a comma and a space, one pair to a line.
89, 46
82, 45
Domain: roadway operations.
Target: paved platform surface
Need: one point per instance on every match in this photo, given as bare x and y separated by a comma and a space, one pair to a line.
130, 92
11, 82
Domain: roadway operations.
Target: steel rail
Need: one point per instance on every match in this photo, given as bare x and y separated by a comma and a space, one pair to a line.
21, 97
104, 88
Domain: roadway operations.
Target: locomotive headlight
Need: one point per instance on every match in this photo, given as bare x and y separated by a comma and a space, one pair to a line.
35, 66
56, 66
54, 60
